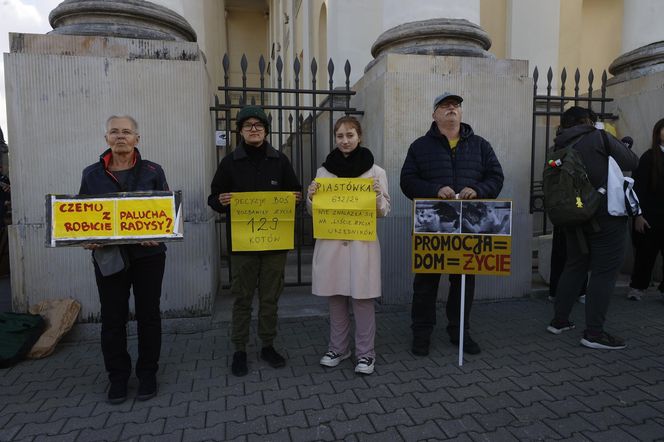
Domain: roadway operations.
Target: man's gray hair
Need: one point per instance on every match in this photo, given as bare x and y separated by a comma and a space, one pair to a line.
128, 117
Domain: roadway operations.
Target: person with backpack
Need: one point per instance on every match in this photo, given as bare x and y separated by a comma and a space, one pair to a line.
648, 234
596, 244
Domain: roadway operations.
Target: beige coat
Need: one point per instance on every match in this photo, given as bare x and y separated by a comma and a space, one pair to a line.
350, 268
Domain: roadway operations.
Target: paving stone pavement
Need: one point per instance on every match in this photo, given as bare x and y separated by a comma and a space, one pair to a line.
525, 385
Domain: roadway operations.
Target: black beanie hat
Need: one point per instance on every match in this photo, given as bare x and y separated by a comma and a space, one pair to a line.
252, 112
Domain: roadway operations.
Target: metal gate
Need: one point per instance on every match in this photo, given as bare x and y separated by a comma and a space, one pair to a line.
547, 109
301, 121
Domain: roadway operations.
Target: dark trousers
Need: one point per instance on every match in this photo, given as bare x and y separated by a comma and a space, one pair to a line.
646, 248
558, 258
606, 249
145, 276
423, 310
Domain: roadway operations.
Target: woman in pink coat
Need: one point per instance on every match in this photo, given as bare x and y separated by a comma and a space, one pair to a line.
349, 271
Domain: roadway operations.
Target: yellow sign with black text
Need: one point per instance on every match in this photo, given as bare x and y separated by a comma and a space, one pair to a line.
262, 221
113, 218
345, 209
462, 254
462, 237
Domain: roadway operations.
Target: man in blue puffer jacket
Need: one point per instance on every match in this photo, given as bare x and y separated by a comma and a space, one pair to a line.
449, 162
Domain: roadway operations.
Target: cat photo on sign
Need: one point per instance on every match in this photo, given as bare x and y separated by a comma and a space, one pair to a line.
435, 216
487, 217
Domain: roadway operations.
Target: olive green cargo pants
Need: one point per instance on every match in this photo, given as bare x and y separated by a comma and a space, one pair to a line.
248, 271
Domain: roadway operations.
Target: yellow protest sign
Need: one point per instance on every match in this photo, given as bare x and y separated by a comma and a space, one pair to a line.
145, 216
462, 254
262, 221
462, 237
113, 218
345, 209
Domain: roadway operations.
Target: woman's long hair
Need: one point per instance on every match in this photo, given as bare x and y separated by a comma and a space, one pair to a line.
657, 169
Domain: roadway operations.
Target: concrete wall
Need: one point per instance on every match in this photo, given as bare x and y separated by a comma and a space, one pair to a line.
59, 105
396, 96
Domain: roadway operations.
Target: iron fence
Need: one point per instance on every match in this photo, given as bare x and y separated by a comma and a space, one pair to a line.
547, 109
298, 117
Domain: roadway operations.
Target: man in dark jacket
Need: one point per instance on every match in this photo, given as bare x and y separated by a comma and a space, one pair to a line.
120, 268
254, 166
449, 162
598, 246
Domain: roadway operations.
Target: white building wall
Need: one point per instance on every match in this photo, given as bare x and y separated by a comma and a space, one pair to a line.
642, 23
533, 31
352, 28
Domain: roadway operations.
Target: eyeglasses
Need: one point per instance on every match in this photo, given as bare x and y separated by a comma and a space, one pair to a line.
253, 126
117, 133
448, 105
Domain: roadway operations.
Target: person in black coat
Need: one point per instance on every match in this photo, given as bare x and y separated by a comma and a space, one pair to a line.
254, 166
648, 235
119, 268
449, 162
596, 246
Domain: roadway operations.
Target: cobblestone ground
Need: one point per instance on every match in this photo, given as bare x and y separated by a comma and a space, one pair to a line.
525, 385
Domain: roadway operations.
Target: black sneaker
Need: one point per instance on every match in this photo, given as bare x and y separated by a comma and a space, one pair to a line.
420, 347
117, 392
557, 326
469, 345
274, 359
603, 341
332, 359
239, 365
147, 388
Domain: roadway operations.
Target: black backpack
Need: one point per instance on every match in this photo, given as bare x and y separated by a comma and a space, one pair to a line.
569, 197
18, 333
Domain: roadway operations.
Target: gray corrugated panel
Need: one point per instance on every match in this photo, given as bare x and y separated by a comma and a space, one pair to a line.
39, 273
57, 109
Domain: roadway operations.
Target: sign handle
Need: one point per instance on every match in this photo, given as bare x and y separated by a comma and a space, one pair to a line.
461, 317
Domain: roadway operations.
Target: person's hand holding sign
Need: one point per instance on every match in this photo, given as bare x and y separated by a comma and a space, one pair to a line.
225, 199
467, 194
311, 190
376, 187
298, 196
446, 193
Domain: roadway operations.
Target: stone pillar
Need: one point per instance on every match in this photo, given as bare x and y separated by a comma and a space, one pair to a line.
61, 88
120, 18
642, 41
398, 12
435, 27
636, 86
414, 62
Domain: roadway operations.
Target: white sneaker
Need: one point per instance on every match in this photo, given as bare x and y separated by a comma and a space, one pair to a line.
365, 365
635, 294
332, 359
